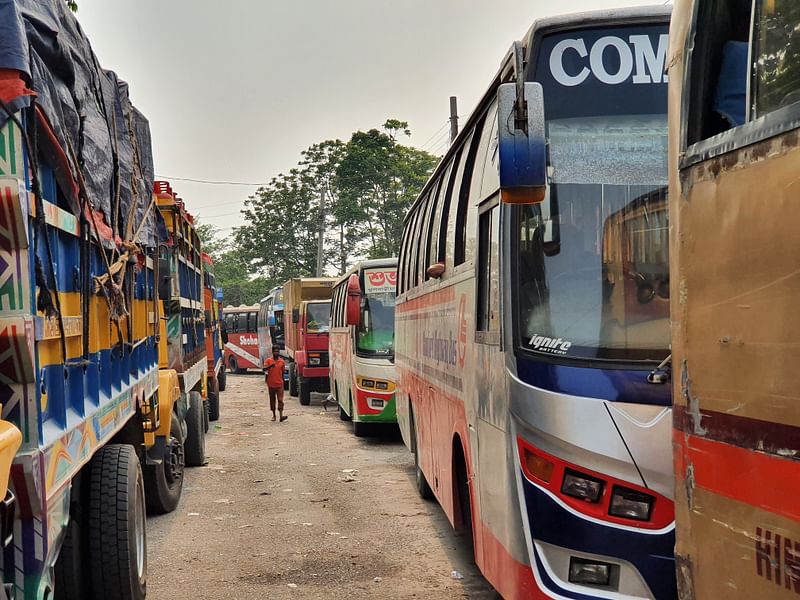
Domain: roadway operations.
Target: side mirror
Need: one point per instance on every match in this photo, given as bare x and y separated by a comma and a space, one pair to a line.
164, 279
353, 300
295, 315
522, 143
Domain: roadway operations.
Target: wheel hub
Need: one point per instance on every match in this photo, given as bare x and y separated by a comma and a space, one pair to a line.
174, 461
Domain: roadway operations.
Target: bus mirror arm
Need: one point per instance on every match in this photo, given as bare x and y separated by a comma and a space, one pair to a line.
662, 373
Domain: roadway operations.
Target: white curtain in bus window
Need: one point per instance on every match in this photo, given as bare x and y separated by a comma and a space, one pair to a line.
777, 55
627, 150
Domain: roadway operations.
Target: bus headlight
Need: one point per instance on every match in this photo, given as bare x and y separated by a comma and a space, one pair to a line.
629, 504
581, 486
367, 383
381, 385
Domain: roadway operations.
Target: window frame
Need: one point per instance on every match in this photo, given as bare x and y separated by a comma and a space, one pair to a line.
753, 131
484, 333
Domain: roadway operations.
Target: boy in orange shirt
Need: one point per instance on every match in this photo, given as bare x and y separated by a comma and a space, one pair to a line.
273, 376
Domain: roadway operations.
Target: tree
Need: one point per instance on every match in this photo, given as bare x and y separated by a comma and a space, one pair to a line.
378, 178
73, 6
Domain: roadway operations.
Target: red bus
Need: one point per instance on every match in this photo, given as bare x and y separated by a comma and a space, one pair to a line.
241, 349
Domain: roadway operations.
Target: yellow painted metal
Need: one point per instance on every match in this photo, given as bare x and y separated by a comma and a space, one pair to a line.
10, 441
169, 391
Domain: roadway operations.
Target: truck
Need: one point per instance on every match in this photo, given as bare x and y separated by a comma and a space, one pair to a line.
180, 283
92, 425
307, 303
212, 300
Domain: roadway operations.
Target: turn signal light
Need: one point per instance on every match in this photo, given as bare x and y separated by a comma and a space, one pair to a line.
539, 467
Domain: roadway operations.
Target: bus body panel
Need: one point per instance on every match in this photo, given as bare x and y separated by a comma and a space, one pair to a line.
465, 386
373, 362
242, 349
733, 206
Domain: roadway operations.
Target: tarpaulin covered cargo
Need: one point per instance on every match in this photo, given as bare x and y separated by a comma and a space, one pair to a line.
82, 112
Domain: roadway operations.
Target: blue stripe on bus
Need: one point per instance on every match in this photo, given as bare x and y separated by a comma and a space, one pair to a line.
615, 385
651, 554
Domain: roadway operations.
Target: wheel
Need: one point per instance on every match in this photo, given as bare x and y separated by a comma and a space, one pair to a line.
213, 406
195, 443
293, 391
234, 366
117, 537
163, 483
342, 414
360, 429
305, 390
70, 569
222, 379
206, 415
464, 502
423, 489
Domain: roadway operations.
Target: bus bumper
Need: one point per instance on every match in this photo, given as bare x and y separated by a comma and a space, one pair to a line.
638, 561
374, 407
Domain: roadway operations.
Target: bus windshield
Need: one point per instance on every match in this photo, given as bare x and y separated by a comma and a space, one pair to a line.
318, 317
376, 330
592, 270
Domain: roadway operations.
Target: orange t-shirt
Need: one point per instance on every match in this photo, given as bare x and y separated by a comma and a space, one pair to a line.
274, 377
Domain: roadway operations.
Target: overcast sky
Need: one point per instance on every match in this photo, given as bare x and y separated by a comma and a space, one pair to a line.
236, 89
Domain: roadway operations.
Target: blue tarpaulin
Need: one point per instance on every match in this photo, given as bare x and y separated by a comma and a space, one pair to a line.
87, 108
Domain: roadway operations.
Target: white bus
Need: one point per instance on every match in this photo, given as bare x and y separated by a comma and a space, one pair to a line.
533, 315
362, 344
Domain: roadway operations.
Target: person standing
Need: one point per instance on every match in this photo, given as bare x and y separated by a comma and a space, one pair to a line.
273, 376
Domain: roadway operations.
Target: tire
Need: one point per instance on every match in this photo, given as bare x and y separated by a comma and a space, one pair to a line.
70, 569
233, 365
222, 379
163, 484
342, 413
305, 390
195, 443
464, 503
360, 429
293, 391
206, 415
421, 483
116, 526
213, 406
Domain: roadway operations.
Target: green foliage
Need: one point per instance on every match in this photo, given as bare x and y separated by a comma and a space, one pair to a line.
73, 6
367, 185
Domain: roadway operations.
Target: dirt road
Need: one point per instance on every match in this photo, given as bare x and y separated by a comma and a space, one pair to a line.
303, 509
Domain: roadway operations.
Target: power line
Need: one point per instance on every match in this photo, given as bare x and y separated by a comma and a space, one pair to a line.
436, 134
211, 182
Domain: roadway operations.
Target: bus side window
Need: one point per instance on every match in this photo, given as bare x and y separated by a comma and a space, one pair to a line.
456, 220
252, 326
487, 315
717, 96
420, 249
487, 163
438, 236
413, 245
426, 231
776, 56
465, 216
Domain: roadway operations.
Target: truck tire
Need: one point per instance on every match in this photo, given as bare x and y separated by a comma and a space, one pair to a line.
195, 443
305, 390
293, 391
222, 379
163, 483
213, 406
116, 526
360, 429
206, 415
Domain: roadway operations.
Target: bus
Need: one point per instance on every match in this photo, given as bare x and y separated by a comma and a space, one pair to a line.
531, 317
734, 155
241, 349
362, 374
270, 328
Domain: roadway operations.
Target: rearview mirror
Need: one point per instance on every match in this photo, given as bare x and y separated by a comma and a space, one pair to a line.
353, 300
522, 143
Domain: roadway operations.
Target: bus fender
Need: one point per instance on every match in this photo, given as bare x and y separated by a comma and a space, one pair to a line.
169, 393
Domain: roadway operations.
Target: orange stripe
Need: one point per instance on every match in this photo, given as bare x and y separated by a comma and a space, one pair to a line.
428, 300
768, 482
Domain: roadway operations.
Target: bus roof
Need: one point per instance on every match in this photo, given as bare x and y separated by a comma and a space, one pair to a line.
366, 264
240, 308
579, 20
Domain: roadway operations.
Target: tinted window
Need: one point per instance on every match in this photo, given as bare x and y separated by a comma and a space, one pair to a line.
777, 55
461, 251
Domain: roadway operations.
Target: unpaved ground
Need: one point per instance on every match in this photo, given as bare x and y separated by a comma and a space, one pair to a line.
303, 509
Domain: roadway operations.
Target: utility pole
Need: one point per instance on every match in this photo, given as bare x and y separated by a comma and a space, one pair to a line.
321, 241
453, 118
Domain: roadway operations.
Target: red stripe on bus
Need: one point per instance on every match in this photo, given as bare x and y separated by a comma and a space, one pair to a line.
762, 480
444, 296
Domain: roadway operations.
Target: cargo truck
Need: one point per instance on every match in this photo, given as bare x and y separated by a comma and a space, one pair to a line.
308, 308
212, 299
91, 428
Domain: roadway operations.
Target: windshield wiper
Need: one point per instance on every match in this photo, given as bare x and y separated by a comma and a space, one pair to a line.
662, 373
